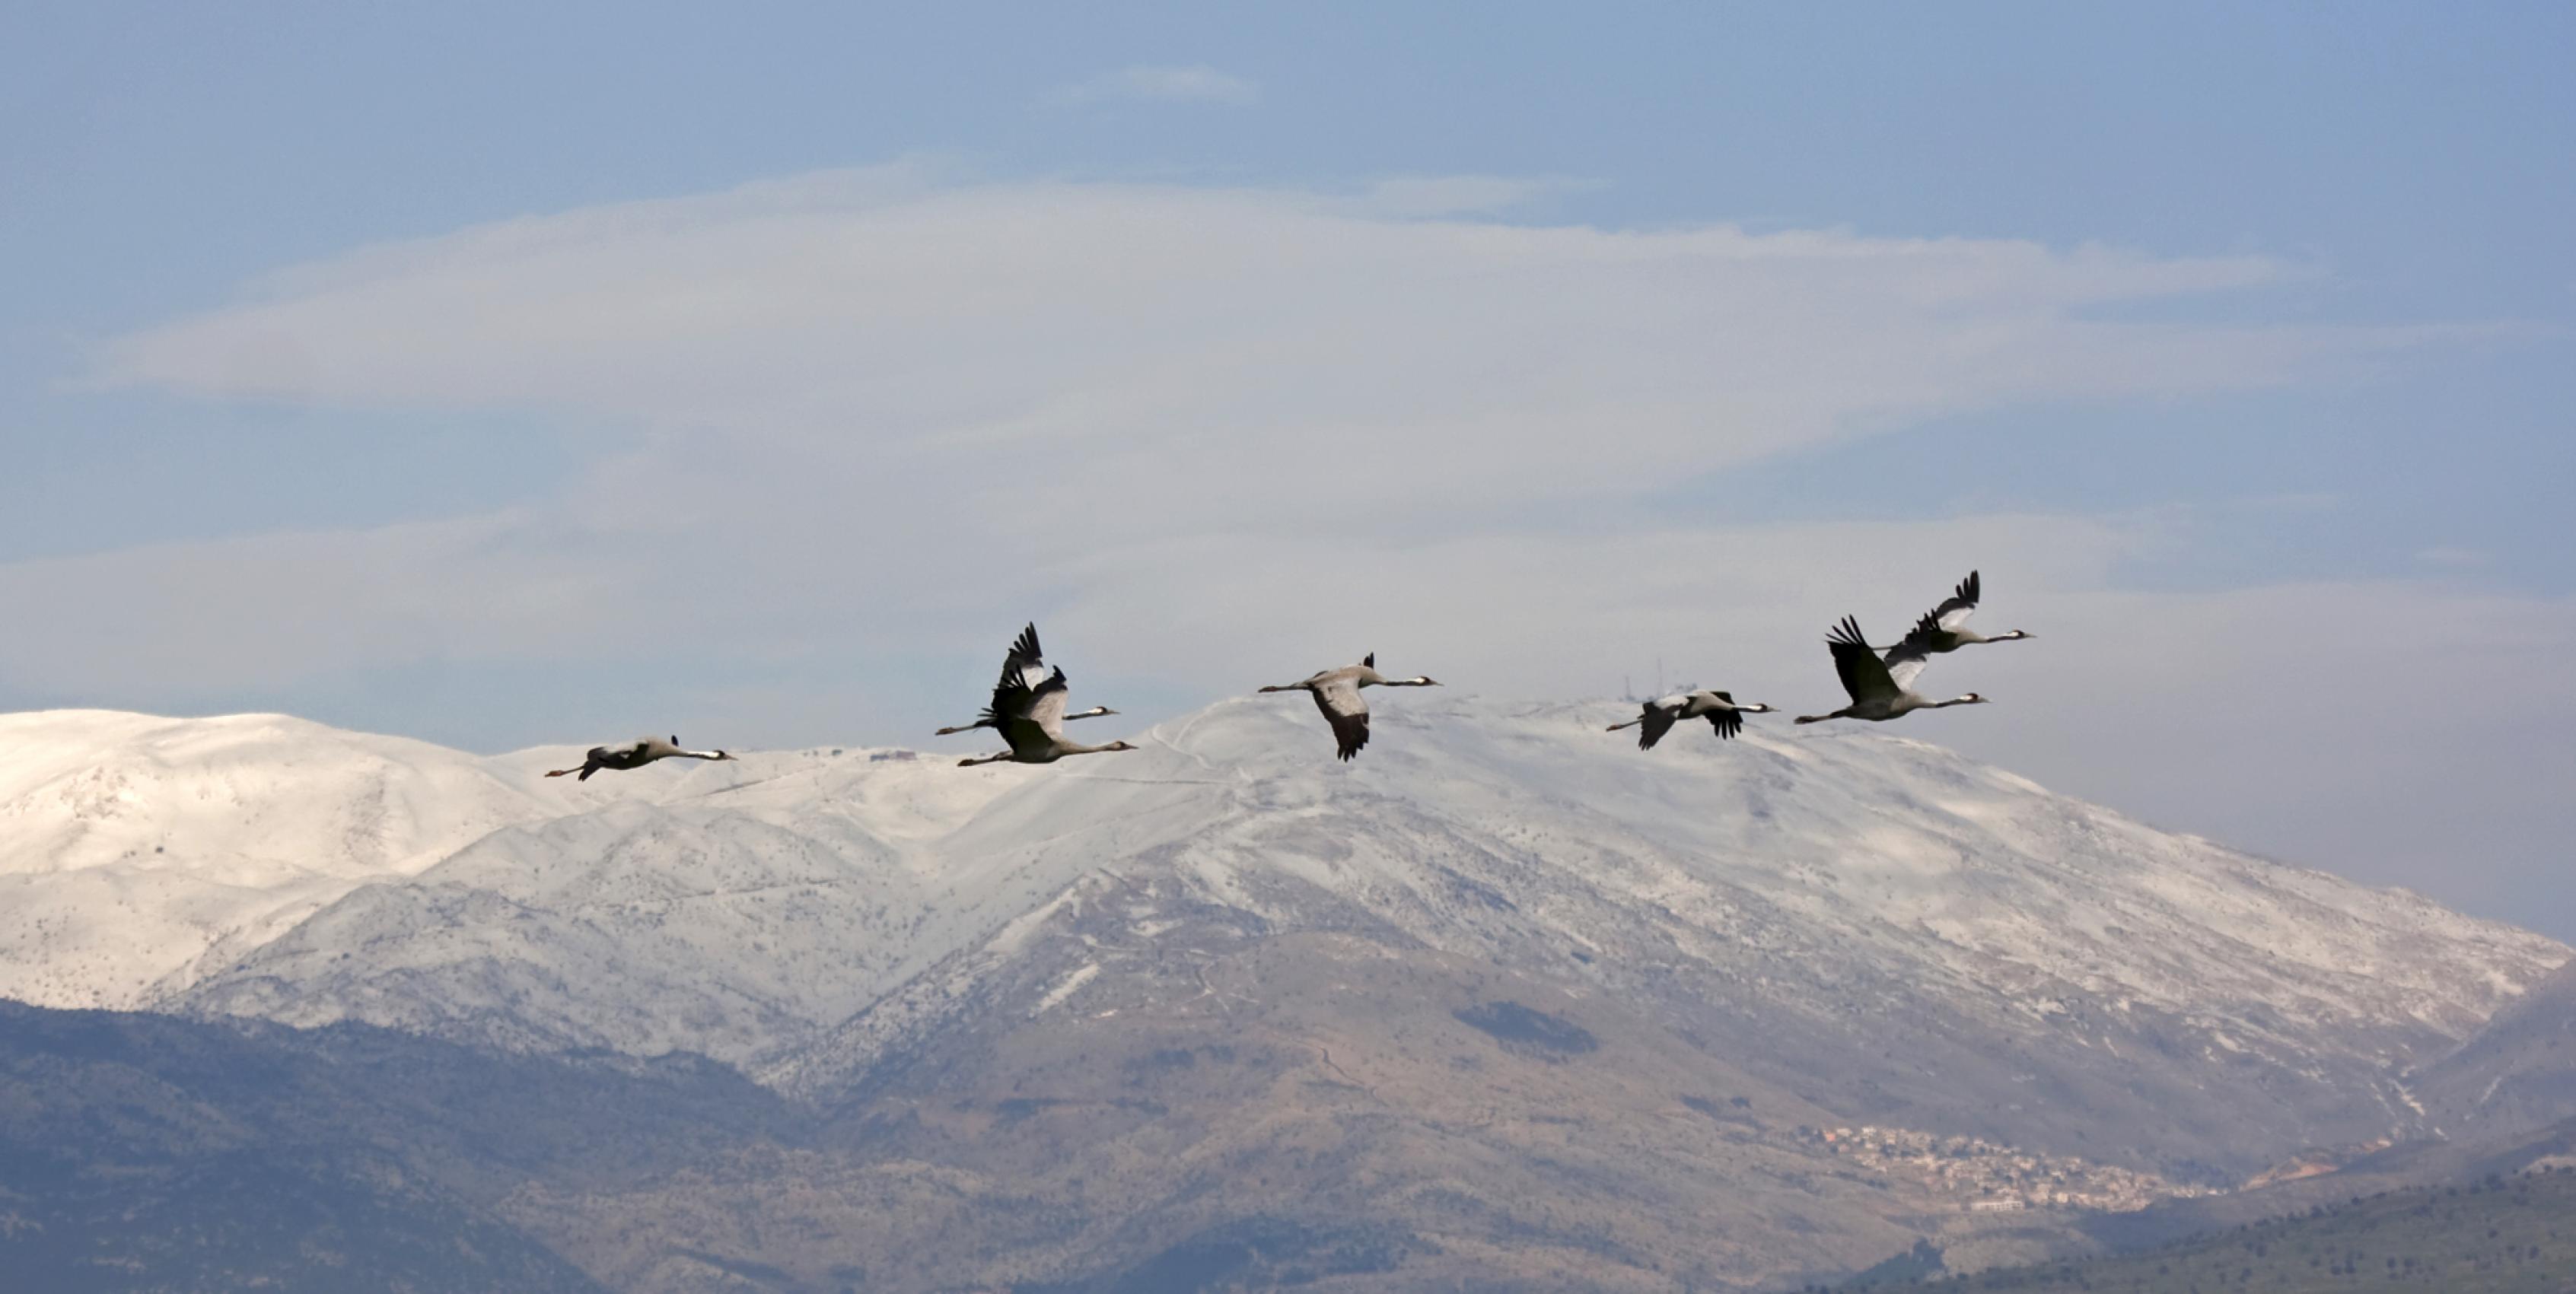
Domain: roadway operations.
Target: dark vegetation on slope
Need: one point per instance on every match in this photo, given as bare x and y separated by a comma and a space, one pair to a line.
2501, 1235
1252, 1254
1058, 1154
145, 1152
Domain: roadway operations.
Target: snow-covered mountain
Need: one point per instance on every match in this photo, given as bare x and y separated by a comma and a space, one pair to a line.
130, 845
226, 830
1504, 958
733, 917
743, 910
1833, 883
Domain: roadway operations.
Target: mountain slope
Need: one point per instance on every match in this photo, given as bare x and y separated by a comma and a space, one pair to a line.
734, 918
133, 847
1862, 894
145, 1152
1481, 1006
637, 928
1850, 891
2496, 1236
139, 852
1506, 1002
2517, 1072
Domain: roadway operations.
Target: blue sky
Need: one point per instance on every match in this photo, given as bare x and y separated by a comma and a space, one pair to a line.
435, 371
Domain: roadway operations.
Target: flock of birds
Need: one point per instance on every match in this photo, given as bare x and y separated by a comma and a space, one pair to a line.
1028, 706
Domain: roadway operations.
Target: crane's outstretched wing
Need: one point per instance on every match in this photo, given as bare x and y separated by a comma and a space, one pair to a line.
1953, 613
1030, 718
1340, 701
1046, 709
1864, 675
1726, 718
1657, 720
1023, 664
1906, 660
1023, 670
1025, 659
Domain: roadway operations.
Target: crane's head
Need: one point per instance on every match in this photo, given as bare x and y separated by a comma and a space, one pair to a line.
2015, 636
1422, 680
1756, 707
1119, 745
1971, 699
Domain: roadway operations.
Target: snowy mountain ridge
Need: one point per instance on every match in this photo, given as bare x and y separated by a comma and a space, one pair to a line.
814, 915
131, 846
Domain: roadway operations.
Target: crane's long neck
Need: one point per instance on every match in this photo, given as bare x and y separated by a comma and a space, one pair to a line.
706, 754
1065, 748
1944, 705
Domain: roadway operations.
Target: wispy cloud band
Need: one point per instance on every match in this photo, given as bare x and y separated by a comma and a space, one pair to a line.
1219, 434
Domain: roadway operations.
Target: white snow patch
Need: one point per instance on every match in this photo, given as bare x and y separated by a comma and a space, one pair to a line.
1065, 989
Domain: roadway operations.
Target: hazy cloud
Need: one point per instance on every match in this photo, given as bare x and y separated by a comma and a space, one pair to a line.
1136, 347
887, 398
1214, 437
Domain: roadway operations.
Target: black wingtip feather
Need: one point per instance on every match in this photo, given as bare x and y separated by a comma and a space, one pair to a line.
1350, 735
